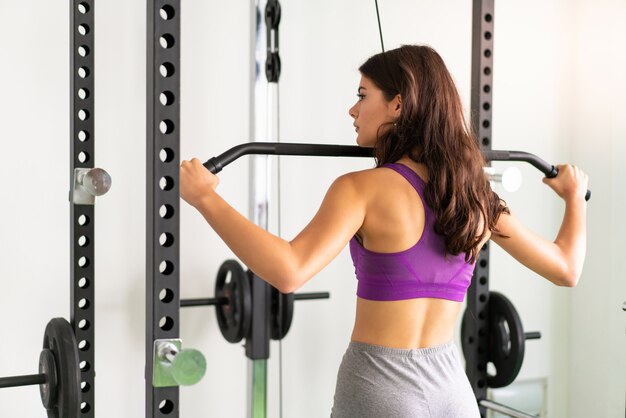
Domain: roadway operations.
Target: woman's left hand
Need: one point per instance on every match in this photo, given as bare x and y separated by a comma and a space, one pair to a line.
196, 181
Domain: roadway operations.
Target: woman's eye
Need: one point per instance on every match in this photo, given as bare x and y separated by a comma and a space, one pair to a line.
360, 96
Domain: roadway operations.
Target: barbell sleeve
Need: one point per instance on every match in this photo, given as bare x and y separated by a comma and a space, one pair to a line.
26, 380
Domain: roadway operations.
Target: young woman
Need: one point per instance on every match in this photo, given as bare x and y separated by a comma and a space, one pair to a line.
415, 225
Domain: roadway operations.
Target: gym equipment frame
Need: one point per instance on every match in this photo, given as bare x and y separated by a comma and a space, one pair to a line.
162, 194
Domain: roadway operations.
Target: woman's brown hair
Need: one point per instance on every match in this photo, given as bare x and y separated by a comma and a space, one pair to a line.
431, 130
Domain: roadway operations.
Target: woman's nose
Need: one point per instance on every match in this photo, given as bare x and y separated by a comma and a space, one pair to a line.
352, 112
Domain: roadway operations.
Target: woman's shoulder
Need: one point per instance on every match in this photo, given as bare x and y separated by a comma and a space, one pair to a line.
369, 183
385, 174
363, 178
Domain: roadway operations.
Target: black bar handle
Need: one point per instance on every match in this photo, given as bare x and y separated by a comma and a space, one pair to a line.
216, 164
310, 296
185, 303
535, 335
26, 380
494, 155
549, 170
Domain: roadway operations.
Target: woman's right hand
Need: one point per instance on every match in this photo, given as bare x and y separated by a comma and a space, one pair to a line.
570, 183
196, 182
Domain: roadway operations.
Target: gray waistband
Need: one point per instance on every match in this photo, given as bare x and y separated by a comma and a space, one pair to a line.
407, 352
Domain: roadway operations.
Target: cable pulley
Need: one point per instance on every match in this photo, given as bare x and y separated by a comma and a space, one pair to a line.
272, 21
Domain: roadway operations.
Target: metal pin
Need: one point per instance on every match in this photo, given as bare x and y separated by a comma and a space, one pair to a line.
89, 183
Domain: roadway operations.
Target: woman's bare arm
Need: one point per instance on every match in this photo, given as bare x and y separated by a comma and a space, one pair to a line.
286, 265
560, 261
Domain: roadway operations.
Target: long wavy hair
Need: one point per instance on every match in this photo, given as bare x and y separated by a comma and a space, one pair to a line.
431, 130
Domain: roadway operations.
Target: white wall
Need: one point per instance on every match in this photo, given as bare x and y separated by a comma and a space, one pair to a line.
34, 217
526, 116
598, 143
557, 82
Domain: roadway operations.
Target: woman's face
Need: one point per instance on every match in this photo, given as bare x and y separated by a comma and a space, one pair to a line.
371, 111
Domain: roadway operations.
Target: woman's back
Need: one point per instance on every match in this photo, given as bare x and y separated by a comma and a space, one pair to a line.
394, 222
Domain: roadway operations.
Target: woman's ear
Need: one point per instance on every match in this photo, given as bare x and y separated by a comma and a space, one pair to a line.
396, 106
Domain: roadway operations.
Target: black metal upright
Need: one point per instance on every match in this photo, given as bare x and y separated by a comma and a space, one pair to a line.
82, 219
162, 192
481, 111
265, 19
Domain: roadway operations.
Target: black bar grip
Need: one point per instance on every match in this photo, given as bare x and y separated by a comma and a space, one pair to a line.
493, 155
549, 170
535, 335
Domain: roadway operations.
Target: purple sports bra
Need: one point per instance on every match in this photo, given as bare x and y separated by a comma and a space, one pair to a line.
422, 271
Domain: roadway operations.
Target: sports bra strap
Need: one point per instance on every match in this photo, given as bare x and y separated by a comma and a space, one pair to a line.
410, 175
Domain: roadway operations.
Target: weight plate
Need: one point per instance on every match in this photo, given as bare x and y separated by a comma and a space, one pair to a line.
281, 314
506, 345
505, 339
233, 317
60, 342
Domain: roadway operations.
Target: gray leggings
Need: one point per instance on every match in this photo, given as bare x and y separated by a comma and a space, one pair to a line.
376, 381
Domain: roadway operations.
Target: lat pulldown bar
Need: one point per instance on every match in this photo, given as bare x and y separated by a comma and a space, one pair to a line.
216, 164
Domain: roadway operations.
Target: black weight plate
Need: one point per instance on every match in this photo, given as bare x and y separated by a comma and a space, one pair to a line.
234, 316
506, 349
281, 314
59, 339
